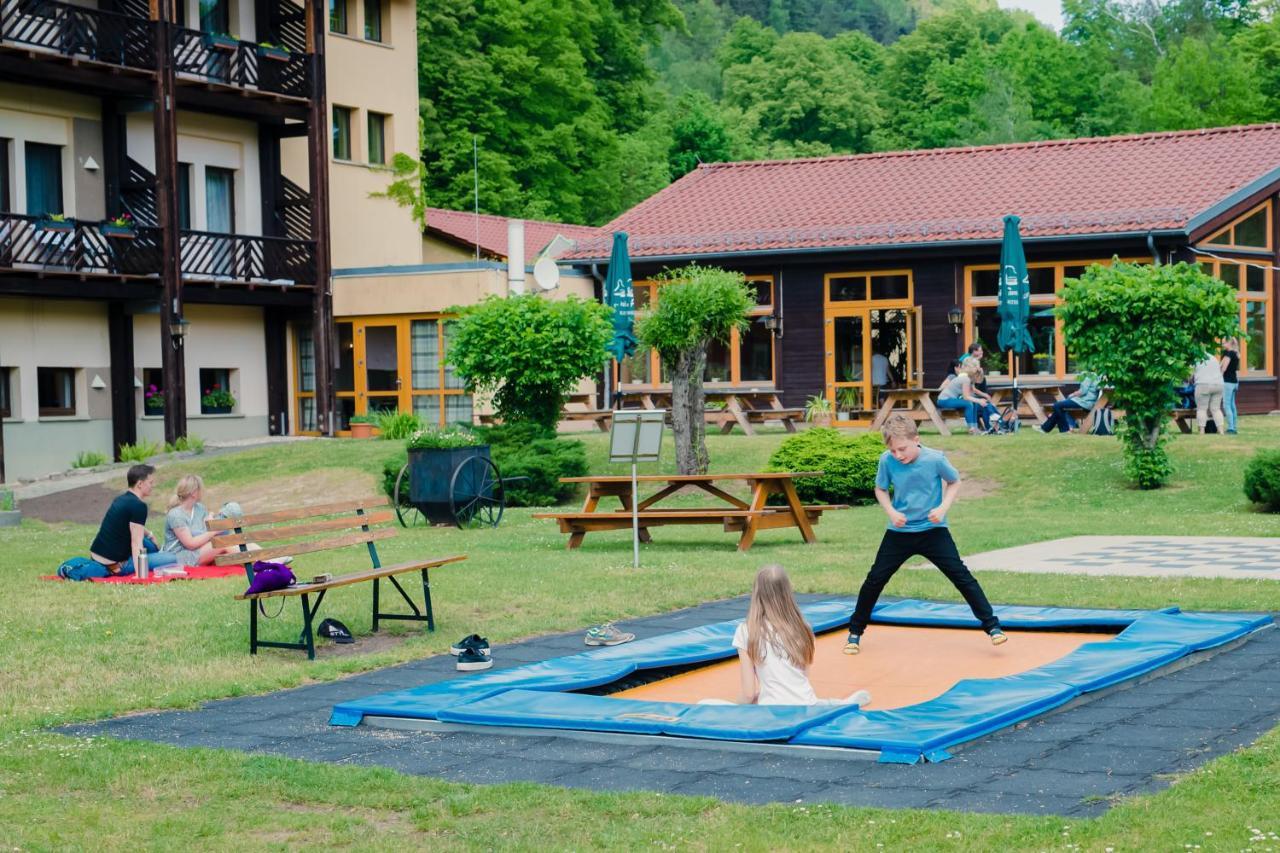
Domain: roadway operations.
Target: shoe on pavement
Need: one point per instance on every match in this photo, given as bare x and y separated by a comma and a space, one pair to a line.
853, 645
475, 643
472, 661
607, 635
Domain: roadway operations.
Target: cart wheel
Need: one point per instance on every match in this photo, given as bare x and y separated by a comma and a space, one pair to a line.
409, 515
476, 494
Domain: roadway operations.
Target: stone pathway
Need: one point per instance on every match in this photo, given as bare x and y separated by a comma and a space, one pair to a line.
1145, 556
1074, 762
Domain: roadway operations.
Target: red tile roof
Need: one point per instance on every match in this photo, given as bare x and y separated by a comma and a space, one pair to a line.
460, 226
1119, 184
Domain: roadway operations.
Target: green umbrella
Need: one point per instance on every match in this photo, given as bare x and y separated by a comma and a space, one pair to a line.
1015, 296
619, 296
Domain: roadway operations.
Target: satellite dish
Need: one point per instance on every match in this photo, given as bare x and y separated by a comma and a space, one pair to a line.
546, 273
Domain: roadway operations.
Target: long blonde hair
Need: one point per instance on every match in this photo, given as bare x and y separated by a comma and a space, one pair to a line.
774, 619
187, 486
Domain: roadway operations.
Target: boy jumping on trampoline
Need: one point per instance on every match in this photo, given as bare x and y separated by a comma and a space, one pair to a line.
924, 486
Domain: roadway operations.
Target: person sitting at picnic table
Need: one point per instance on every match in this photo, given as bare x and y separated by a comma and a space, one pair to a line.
123, 534
186, 532
957, 393
1084, 399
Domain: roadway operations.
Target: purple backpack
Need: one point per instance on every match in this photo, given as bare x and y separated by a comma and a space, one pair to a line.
268, 577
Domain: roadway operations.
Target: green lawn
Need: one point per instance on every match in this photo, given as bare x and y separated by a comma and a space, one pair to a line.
78, 652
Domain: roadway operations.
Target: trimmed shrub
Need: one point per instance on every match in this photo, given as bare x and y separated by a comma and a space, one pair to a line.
89, 459
1262, 479
848, 464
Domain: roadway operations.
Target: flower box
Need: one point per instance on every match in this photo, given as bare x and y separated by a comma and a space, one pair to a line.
56, 225
118, 232
215, 410
220, 41
279, 54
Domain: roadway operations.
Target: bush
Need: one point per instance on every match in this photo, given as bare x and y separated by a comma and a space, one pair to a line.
1262, 479
140, 452
185, 443
398, 426
848, 465
7, 503
89, 459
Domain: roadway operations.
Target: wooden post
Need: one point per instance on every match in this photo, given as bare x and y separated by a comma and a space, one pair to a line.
318, 172
172, 360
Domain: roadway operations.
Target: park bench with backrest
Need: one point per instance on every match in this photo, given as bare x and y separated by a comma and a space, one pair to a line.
324, 527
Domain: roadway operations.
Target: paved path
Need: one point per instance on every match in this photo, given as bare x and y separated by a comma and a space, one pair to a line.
1070, 763
1145, 556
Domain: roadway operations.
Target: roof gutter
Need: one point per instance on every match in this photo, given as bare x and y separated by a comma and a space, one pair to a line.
877, 247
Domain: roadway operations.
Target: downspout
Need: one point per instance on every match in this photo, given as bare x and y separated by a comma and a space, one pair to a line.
608, 367
1151, 246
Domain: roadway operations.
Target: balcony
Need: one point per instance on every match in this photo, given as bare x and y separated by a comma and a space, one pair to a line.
63, 29
35, 245
222, 60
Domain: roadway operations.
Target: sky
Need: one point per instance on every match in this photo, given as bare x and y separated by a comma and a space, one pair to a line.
1048, 11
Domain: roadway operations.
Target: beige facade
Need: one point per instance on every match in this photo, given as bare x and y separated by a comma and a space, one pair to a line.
72, 122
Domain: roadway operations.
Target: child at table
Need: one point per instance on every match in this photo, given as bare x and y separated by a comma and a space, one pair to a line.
924, 486
775, 649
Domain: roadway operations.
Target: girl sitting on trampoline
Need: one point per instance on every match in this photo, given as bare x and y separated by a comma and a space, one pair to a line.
924, 486
775, 647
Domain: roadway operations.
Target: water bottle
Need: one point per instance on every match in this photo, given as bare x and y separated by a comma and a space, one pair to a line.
140, 565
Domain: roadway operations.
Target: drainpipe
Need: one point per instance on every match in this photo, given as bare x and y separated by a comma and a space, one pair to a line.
1151, 246
515, 256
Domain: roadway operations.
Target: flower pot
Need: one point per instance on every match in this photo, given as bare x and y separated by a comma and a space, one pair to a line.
431, 477
821, 419
118, 232
220, 42
215, 410
278, 54
362, 430
55, 225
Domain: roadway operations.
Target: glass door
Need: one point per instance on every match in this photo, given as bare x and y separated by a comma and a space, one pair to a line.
379, 365
848, 365
869, 350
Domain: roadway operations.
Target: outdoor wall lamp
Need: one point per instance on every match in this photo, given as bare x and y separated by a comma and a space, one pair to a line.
955, 317
178, 331
772, 323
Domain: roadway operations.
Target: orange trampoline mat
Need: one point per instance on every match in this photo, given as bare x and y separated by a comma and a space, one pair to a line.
900, 665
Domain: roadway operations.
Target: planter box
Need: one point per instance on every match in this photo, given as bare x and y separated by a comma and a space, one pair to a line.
278, 54
52, 225
118, 232
215, 410
221, 42
153, 411
10, 517
430, 476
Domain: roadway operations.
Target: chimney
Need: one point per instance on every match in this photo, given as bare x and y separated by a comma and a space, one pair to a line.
515, 256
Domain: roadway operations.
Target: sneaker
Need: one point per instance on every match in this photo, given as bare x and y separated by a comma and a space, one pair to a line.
997, 637
471, 661
607, 635
853, 645
474, 643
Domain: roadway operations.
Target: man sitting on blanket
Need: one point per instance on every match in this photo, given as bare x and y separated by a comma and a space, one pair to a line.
123, 534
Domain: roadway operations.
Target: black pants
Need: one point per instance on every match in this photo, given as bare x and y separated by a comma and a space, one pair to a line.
936, 546
1061, 416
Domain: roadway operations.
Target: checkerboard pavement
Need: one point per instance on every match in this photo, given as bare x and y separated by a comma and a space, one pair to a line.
1148, 556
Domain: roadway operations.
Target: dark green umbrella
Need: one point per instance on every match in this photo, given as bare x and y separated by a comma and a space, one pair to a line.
619, 295
1015, 296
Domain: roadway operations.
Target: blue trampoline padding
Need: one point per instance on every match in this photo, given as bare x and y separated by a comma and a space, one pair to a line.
944, 615
1094, 666
1198, 631
537, 709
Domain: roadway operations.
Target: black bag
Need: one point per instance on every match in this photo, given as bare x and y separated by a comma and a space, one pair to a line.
1104, 422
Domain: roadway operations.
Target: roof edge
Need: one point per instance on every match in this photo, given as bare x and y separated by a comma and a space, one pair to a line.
1214, 211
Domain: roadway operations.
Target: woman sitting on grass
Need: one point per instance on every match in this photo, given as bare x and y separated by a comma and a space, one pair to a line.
775, 646
186, 531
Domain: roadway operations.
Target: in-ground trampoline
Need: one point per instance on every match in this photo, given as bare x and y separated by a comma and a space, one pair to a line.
935, 681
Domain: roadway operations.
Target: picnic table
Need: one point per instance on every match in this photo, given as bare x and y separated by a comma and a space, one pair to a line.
1029, 402
915, 403
742, 406
747, 517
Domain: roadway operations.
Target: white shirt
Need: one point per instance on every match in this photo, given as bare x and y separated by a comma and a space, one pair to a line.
879, 369
1209, 371
781, 681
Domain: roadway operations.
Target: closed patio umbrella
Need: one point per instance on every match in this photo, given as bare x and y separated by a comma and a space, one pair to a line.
619, 295
1015, 297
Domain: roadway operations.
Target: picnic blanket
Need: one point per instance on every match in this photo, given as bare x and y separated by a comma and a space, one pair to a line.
192, 573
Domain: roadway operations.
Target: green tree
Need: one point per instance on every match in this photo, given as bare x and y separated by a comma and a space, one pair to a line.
529, 352
1260, 46
698, 135
1204, 83
697, 305
1144, 328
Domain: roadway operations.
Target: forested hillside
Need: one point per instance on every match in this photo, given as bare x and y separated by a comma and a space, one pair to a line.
582, 108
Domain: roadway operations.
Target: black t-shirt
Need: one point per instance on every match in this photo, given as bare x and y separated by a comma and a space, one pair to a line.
113, 540
1233, 364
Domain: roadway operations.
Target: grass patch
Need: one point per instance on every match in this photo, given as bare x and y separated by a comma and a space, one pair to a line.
85, 651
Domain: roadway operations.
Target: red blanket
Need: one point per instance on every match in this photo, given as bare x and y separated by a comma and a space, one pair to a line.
194, 573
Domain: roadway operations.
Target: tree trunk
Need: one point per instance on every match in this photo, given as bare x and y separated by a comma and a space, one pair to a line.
688, 404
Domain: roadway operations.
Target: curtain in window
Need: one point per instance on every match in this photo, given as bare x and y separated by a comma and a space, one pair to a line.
44, 179
4, 176
377, 138
184, 196
219, 200
373, 20
424, 354
215, 17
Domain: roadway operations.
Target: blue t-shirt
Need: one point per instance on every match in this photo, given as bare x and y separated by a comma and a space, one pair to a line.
917, 487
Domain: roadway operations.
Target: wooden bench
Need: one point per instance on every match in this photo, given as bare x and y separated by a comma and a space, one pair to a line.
312, 536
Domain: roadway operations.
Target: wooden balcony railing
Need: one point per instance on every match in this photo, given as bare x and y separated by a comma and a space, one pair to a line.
222, 59
37, 244
79, 32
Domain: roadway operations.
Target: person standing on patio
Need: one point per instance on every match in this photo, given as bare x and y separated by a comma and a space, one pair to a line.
1230, 365
1209, 387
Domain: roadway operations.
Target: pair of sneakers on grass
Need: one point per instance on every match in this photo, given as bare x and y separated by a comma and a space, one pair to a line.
473, 652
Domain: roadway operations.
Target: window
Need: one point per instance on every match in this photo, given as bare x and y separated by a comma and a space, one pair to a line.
1251, 231
373, 20
4, 175
6, 394
216, 394
215, 16
44, 179
220, 200
306, 380
341, 133
56, 389
438, 394
338, 16
377, 138
184, 196
1249, 280
895, 285
152, 391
